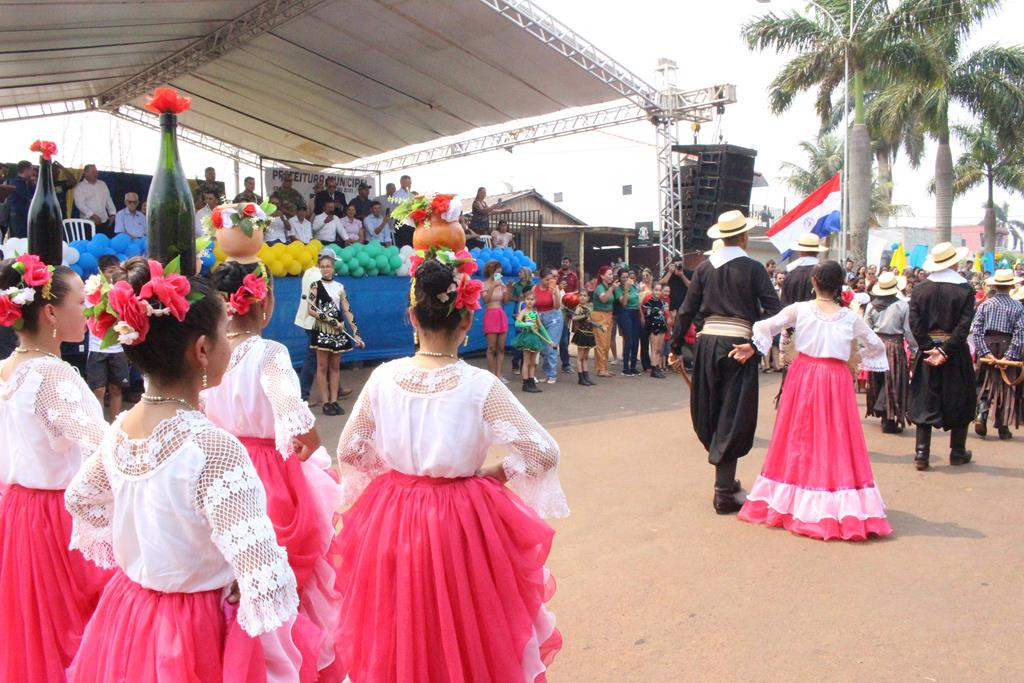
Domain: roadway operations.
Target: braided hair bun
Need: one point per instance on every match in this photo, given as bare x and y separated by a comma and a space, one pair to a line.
434, 278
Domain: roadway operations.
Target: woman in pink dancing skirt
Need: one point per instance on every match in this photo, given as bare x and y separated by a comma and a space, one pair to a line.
202, 592
49, 423
817, 479
258, 401
443, 566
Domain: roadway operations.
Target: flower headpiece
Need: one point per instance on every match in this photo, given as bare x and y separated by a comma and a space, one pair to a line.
252, 291
464, 292
45, 148
247, 216
34, 273
417, 210
168, 101
117, 315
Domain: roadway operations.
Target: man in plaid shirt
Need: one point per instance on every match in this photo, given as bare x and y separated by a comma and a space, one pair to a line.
998, 332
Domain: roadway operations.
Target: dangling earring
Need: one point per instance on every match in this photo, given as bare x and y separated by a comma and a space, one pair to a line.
264, 316
465, 341
55, 333
205, 383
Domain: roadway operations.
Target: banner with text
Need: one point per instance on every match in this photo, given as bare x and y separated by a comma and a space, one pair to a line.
309, 183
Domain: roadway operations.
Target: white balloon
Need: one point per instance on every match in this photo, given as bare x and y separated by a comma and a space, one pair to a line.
15, 246
403, 270
71, 255
406, 251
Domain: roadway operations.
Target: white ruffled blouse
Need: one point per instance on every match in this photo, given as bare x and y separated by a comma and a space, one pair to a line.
440, 423
50, 422
821, 336
183, 511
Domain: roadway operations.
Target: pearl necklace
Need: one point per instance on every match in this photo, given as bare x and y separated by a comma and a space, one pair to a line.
22, 349
232, 335
149, 398
435, 354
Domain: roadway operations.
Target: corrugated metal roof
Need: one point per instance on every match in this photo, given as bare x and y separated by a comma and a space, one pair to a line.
348, 79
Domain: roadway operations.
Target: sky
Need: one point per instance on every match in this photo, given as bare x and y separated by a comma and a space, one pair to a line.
590, 169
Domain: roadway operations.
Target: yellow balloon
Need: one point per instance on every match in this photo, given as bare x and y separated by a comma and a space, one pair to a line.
316, 246
294, 268
276, 269
218, 253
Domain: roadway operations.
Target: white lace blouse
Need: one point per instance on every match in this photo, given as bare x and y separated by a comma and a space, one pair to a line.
183, 512
259, 395
822, 336
49, 423
440, 423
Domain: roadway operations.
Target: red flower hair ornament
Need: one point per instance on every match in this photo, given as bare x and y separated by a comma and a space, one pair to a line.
252, 290
168, 101
45, 148
34, 274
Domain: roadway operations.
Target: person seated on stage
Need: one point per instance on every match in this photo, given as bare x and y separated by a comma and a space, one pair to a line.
299, 227
130, 220
249, 194
377, 226
326, 225
210, 202
92, 199
350, 228
473, 240
275, 232
501, 237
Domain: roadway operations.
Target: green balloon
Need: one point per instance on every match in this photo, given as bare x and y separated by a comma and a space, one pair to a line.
357, 247
395, 261
381, 261
336, 249
373, 248
372, 272
357, 271
392, 250
342, 268
365, 259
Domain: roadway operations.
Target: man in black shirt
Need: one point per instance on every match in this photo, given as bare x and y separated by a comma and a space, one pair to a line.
333, 194
362, 201
729, 291
678, 280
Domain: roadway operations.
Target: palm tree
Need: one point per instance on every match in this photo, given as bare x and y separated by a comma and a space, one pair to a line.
933, 75
824, 44
987, 161
1014, 227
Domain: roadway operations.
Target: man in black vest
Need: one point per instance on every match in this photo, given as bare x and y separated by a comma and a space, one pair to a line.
729, 292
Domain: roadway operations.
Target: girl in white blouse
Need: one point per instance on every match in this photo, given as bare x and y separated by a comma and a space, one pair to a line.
442, 564
49, 423
175, 504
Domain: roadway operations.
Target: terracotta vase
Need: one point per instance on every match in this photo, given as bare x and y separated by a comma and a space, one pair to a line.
439, 233
238, 246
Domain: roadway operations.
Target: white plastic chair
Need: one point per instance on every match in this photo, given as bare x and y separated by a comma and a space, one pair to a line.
78, 229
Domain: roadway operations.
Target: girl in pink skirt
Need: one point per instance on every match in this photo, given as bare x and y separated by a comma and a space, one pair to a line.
49, 423
442, 564
817, 479
203, 591
258, 401
496, 295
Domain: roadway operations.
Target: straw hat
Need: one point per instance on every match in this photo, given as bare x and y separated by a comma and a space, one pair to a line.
717, 245
944, 255
902, 283
1004, 277
887, 285
730, 224
808, 242
1018, 294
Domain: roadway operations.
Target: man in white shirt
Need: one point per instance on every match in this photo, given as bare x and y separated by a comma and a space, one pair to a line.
92, 199
211, 200
130, 220
299, 227
376, 226
403, 233
327, 226
351, 228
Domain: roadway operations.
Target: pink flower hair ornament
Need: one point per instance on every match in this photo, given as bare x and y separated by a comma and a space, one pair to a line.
464, 292
253, 290
35, 275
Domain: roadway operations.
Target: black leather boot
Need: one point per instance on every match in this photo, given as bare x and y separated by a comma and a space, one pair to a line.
581, 381
922, 446
726, 501
981, 424
589, 382
891, 427
1004, 432
958, 453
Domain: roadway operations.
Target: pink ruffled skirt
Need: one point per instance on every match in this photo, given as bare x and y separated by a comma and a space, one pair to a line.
47, 592
495, 321
817, 479
444, 580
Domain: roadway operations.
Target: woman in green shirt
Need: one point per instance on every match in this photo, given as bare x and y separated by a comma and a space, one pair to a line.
604, 303
628, 295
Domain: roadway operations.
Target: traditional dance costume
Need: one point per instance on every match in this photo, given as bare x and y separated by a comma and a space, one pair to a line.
583, 327
49, 423
998, 329
183, 515
729, 291
531, 335
888, 392
817, 479
328, 324
443, 571
796, 287
654, 316
258, 401
941, 311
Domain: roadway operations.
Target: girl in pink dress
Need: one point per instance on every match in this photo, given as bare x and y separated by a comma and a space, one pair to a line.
49, 423
817, 479
258, 400
442, 564
203, 592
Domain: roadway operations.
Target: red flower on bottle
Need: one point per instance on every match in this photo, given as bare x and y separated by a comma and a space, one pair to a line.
36, 273
168, 101
171, 291
468, 294
10, 312
217, 218
418, 216
129, 309
440, 204
45, 148
249, 210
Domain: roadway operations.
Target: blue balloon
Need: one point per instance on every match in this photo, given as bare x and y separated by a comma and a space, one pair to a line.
894, 246
506, 266
480, 267
136, 248
87, 262
80, 245
519, 252
120, 242
475, 251
100, 238
109, 251
74, 267
96, 249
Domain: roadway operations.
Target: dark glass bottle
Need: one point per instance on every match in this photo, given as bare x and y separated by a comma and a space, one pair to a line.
170, 213
45, 219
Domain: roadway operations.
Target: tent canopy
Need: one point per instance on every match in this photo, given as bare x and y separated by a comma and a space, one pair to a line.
344, 80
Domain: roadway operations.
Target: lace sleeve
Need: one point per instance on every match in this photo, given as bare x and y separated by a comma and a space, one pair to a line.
358, 460
531, 465
68, 410
765, 330
872, 354
90, 501
292, 416
231, 496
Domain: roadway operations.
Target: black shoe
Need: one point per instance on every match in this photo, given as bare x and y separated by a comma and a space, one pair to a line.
959, 457
581, 381
958, 453
589, 382
530, 386
891, 427
922, 447
331, 409
980, 428
567, 369
1005, 434
726, 502
657, 374
338, 410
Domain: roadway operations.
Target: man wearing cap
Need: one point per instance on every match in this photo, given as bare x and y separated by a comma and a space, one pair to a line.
362, 202
998, 333
730, 292
942, 392
797, 286
889, 317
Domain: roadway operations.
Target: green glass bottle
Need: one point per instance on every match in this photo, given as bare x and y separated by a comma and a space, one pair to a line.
45, 219
170, 214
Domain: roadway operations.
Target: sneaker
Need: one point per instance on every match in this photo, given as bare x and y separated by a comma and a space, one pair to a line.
503, 380
552, 380
567, 370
